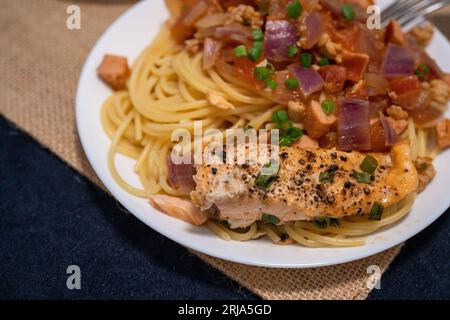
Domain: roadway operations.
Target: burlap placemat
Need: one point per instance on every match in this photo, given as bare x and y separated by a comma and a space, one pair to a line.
40, 62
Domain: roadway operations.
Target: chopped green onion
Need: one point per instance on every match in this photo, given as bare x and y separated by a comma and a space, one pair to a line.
294, 133
291, 83
285, 140
321, 222
258, 35
285, 125
288, 133
348, 12
422, 71
271, 67
369, 164
280, 116
254, 53
258, 45
240, 51
270, 83
292, 50
306, 60
376, 211
362, 177
264, 180
269, 218
294, 9
281, 120
324, 61
325, 222
261, 73
328, 106
326, 177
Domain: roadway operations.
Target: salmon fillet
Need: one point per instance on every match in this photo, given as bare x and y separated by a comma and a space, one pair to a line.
228, 192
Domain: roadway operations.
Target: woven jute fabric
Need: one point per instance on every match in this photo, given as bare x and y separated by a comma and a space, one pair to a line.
40, 63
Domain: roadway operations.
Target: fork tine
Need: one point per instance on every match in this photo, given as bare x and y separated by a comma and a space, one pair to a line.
407, 12
414, 19
416, 10
397, 7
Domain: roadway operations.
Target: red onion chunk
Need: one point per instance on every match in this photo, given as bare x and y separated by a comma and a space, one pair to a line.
195, 13
314, 29
279, 35
211, 50
233, 31
180, 176
309, 79
398, 62
353, 125
391, 135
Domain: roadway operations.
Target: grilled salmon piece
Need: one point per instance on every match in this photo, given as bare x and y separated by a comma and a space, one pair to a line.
310, 183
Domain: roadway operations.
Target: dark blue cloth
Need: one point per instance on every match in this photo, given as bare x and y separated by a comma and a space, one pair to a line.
52, 217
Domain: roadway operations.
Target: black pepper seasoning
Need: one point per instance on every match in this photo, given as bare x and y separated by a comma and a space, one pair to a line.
310, 156
348, 184
333, 168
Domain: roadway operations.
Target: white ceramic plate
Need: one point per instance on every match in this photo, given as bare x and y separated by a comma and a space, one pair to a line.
131, 33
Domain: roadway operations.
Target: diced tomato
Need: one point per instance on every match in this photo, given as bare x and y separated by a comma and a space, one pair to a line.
238, 69
183, 27
371, 42
426, 118
394, 33
377, 136
356, 64
405, 91
346, 37
334, 77
281, 94
277, 9
181, 31
423, 114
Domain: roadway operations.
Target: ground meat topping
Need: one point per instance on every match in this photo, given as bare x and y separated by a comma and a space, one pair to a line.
246, 15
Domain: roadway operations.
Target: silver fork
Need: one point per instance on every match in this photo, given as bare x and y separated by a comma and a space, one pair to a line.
410, 13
